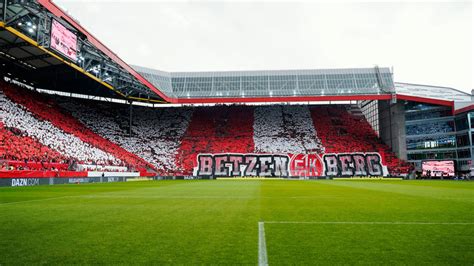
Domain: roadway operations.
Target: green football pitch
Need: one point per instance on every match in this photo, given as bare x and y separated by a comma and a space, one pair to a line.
239, 222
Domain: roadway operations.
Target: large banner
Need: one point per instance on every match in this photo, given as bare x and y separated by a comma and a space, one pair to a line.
289, 165
63, 40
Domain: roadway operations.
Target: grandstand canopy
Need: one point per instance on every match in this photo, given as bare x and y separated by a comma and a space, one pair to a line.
34, 66
272, 84
73, 61
434, 92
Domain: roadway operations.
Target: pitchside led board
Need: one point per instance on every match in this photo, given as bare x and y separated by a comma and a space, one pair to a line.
63, 40
438, 168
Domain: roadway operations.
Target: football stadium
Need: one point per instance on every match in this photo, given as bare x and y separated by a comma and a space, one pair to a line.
310, 166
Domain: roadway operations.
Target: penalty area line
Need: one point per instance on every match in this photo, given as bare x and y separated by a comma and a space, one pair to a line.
262, 245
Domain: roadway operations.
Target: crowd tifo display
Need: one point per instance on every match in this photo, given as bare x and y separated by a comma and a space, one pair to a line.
42, 132
277, 140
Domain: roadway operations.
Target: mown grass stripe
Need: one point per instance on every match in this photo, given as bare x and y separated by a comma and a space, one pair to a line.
34, 200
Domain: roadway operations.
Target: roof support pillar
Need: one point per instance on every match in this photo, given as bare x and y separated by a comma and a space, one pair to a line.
390, 123
130, 119
5, 2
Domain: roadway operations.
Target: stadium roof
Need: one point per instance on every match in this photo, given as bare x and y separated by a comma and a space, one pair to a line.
461, 101
27, 54
435, 92
101, 72
269, 84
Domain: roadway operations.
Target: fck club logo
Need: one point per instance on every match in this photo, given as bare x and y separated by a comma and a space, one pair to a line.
306, 165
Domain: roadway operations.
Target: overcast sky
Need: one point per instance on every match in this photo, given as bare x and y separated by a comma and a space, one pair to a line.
425, 42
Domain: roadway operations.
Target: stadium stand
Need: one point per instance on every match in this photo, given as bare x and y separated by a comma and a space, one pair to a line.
340, 131
169, 139
41, 118
156, 133
16, 116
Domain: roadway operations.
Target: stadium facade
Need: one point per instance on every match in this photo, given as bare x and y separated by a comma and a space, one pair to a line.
44, 47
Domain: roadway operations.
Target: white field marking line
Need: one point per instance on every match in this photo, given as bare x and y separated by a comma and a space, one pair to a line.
262, 245
390, 223
26, 201
202, 197
167, 197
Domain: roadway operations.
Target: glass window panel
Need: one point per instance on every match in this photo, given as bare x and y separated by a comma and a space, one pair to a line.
430, 128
